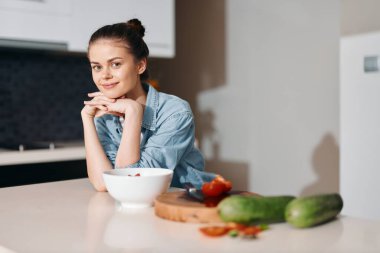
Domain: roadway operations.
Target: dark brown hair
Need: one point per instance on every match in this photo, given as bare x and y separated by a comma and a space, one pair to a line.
131, 33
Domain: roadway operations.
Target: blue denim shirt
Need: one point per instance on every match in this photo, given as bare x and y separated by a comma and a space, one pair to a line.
167, 138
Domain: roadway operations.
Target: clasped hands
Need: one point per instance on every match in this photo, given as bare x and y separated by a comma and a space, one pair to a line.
100, 105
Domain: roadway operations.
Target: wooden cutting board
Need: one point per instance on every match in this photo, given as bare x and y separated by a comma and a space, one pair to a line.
178, 206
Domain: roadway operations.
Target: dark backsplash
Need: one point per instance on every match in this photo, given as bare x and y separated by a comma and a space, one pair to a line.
41, 95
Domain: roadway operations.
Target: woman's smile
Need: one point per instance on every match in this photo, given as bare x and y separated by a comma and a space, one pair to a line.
108, 86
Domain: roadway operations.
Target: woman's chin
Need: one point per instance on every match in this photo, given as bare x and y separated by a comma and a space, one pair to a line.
113, 95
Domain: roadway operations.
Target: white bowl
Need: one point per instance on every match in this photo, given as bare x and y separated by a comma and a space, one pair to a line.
137, 191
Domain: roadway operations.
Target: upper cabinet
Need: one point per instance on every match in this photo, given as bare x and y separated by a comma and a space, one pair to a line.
49, 23
156, 15
34, 21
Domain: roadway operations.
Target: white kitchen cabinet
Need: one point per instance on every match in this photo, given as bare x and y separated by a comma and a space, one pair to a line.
156, 15
57, 7
69, 24
34, 21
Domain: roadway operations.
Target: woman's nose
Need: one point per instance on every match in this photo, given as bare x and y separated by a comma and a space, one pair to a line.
107, 73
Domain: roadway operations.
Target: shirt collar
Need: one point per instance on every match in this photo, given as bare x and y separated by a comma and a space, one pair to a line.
150, 113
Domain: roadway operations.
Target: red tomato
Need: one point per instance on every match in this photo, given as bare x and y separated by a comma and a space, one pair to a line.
137, 175
214, 231
227, 184
212, 189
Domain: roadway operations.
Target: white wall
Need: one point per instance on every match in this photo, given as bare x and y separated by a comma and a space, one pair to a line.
277, 111
360, 127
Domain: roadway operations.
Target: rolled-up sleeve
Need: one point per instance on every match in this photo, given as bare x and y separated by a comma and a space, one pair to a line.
167, 147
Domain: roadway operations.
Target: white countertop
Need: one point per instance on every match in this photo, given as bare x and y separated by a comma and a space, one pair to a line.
69, 153
69, 216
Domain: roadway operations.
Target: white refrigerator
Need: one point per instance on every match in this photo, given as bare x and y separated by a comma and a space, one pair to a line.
360, 125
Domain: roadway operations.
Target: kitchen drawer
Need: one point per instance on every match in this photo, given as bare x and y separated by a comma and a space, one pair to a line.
23, 174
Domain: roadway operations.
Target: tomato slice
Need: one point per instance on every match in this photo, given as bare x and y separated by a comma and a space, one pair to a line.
136, 175
235, 229
250, 231
214, 231
236, 226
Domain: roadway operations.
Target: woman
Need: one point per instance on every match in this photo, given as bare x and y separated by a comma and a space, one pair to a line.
128, 123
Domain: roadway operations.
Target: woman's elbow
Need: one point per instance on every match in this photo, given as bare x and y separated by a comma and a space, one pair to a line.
127, 164
99, 186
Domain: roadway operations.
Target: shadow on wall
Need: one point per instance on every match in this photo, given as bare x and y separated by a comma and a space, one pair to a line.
325, 163
236, 172
199, 65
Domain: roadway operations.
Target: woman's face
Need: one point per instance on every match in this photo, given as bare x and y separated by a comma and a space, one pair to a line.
114, 70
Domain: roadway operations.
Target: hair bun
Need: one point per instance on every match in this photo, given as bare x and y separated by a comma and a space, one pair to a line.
136, 25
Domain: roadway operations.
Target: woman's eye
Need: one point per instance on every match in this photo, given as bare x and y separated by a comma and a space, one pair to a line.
116, 64
96, 68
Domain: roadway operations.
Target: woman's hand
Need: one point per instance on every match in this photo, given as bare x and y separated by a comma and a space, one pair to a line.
101, 105
97, 107
125, 106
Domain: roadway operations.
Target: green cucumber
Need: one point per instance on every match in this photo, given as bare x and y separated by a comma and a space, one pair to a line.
309, 211
253, 209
